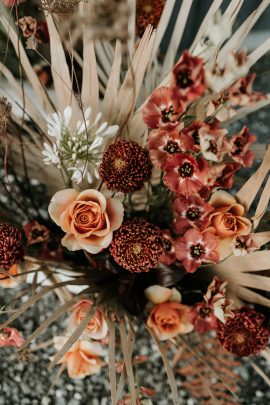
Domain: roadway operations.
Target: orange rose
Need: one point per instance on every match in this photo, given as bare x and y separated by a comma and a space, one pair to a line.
82, 359
227, 220
97, 327
169, 319
87, 217
9, 282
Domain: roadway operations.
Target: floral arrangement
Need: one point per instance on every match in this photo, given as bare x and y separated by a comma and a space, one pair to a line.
144, 225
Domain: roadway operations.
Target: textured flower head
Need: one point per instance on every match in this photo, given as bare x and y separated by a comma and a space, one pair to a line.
148, 12
87, 217
191, 211
125, 166
244, 334
10, 337
137, 245
195, 248
240, 144
163, 109
188, 77
11, 250
184, 174
163, 143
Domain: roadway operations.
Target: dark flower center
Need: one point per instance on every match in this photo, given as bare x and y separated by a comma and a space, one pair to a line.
167, 245
183, 79
167, 114
196, 137
239, 146
193, 213
213, 147
37, 233
186, 170
239, 244
205, 312
172, 147
197, 251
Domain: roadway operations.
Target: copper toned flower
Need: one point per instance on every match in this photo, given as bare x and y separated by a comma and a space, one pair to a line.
163, 109
195, 248
188, 77
137, 245
148, 12
240, 147
11, 250
125, 166
190, 212
203, 318
163, 143
244, 334
222, 175
242, 93
168, 256
244, 244
193, 131
35, 232
184, 174
10, 337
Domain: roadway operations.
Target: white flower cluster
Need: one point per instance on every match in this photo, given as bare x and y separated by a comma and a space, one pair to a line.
79, 150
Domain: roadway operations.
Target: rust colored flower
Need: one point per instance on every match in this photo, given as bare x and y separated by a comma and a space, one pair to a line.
125, 166
42, 32
35, 232
240, 147
87, 217
97, 327
10, 337
148, 12
203, 318
9, 282
168, 257
190, 212
163, 143
169, 319
163, 109
11, 250
188, 77
244, 244
222, 175
193, 131
195, 248
242, 93
244, 334
215, 298
184, 174
137, 245
213, 143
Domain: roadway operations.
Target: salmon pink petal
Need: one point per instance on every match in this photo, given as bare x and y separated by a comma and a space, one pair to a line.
60, 201
93, 196
70, 242
221, 198
115, 211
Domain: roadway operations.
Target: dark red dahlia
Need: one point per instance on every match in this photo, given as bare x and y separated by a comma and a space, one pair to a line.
148, 12
244, 334
125, 166
137, 245
11, 250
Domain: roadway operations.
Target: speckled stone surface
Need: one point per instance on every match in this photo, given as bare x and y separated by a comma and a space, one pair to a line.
29, 382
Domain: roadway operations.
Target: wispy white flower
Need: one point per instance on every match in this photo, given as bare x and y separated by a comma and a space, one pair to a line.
51, 155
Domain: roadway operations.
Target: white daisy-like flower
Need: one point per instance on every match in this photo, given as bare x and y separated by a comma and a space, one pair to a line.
51, 155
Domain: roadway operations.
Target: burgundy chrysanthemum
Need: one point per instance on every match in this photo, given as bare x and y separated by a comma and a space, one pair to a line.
148, 12
11, 250
137, 245
244, 334
125, 166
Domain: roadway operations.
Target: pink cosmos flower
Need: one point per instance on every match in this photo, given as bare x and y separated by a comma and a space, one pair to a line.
163, 110
184, 174
82, 359
191, 212
169, 256
163, 143
242, 93
240, 143
244, 244
213, 143
195, 248
10, 337
188, 77
87, 217
203, 318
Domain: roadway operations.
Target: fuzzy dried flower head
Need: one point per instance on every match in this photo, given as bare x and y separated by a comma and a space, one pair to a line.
244, 334
11, 250
125, 166
62, 8
5, 110
137, 245
148, 12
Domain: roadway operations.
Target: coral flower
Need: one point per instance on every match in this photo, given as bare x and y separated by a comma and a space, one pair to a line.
184, 174
87, 217
213, 143
203, 318
10, 337
221, 175
163, 143
192, 130
244, 244
97, 327
163, 110
82, 359
169, 319
188, 77
227, 220
190, 212
240, 144
195, 248
242, 93
168, 256
9, 282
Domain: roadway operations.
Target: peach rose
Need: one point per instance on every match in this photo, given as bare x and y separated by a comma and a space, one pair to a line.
82, 359
158, 294
97, 327
9, 282
168, 319
227, 221
88, 218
